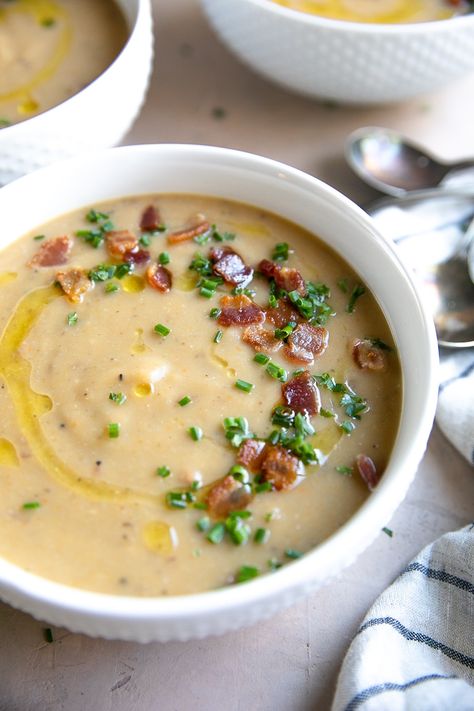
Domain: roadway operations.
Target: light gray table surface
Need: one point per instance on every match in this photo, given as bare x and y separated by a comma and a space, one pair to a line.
290, 662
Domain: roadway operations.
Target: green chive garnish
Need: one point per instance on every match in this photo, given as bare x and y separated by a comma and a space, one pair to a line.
203, 524
48, 635
244, 386
292, 553
29, 505
347, 471
216, 533
113, 429
118, 398
246, 572
72, 318
388, 531
347, 426
164, 258
280, 252
163, 472
357, 292
215, 313
110, 288
184, 401
276, 372
38, 237
218, 336
261, 358
162, 330
195, 433
261, 535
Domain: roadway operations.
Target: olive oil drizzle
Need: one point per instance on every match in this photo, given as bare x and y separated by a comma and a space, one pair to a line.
30, 406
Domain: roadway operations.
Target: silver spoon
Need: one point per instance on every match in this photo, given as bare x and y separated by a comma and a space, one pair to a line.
392, 164
434, 232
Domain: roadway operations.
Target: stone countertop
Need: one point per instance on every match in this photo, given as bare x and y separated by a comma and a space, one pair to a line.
201, 94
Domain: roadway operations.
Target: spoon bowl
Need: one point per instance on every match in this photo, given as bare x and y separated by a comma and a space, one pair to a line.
434, 232
393, 165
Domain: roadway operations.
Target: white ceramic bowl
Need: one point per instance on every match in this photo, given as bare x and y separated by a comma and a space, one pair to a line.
298, 197
96, 117
348, 62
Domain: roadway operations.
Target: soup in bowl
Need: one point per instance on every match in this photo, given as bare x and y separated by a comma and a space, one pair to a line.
349, 57
73, 77
386, 11
206, 382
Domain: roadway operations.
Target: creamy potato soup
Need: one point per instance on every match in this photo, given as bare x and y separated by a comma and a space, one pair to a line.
51, 49
383, 11
193, 392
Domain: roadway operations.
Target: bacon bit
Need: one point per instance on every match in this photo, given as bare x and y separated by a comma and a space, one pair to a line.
159, 277
251, 454
302, 394
281, 469
150, 219
306, 342
120, 243
75, 283
367, 470
52, 253
189, 233
239, 311
228, 495
286, 278
261, 339
367, 356
282, 314
230, 266
138, 256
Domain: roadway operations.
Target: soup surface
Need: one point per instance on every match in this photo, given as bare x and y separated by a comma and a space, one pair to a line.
51, 49
193, 392
382, 11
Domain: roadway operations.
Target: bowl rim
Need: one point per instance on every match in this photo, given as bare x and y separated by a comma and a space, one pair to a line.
431, 26
143, 6
362, 527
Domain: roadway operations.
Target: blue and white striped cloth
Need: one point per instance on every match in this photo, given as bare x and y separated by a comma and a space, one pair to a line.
415, 648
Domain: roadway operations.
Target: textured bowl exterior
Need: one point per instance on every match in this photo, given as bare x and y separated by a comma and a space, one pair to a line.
96, 117
347, 62
135, 170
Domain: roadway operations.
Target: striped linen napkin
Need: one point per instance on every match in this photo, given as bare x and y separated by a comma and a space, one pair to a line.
415, 648
455, 411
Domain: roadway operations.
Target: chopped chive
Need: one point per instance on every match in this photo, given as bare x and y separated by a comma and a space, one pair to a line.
200, 505
347, 471
326, 413
29, 505
218, 336
238, 530
281, 252
261, 535
207, 293
162, 330
119, 398
72, 318
145, 240
184, 401
244, 386
342, 284
292, 553
163, 471
347, 426
113, 429
215, 313
203, 524
176, 500
263, 487
276, 372
164, 258
378, 343
38, 237
111, 288
271, 515
261, 358
122, 270
216, 533
388, 531
274, 564
282, 333
48, 635
357, 292
240, 473
246, 572
195, 433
